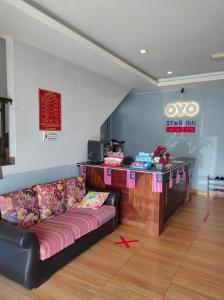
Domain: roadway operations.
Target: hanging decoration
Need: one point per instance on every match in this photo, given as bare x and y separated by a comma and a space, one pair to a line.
107, 175
189, 170
171, 180
178, 176
131, 176
157, 183
184, 174
82, 170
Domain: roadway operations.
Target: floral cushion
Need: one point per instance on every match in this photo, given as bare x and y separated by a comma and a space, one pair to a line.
19, 208
93, 200
50, 199
75, 190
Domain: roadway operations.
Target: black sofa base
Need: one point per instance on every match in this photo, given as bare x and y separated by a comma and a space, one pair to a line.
54, 263
20, 250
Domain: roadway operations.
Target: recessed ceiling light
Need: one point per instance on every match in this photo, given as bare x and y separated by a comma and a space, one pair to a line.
143, 51
169, 72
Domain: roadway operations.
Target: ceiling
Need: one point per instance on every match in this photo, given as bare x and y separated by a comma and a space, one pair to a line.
105, 36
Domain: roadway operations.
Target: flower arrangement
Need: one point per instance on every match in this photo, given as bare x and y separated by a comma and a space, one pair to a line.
160, 155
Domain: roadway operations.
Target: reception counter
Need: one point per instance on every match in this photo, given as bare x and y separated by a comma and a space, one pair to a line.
148, 198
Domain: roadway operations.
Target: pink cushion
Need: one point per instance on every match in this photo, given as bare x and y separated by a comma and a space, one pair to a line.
52, 238
79, 224
103, 214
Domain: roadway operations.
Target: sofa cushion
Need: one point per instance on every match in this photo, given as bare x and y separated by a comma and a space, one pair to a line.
75, 190
19, 208
93, 200
52, 239
103, 214
50, 199
79, 224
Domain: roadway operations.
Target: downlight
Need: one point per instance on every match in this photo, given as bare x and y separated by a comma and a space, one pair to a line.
143, 51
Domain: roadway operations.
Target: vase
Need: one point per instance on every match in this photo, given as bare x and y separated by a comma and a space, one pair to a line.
159, 167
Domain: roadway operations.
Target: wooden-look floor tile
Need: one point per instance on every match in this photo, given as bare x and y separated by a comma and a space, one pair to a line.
11, 290
214, 247
108, 243
176, 292
129, 233
200, 261
199, 284
134, 296
181, 224
175, 235
162, 252
146, 278
111, 292
105, 260
61, 286
210, 236
192, 217
198, 204
185, 263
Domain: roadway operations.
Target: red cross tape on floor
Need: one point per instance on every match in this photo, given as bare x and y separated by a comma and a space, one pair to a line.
125, 242
206, 217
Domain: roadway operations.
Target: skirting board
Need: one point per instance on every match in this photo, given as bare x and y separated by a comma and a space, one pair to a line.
204, 193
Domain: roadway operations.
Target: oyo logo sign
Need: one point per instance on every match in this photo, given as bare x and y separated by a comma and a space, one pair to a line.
181, 109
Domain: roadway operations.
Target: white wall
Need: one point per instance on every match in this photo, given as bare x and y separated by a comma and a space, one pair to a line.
3, 76
87, 100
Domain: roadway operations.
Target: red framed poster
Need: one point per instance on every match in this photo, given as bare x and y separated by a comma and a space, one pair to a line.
49, 110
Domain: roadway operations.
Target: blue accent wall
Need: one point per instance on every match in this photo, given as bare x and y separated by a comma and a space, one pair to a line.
17, 181
141, 122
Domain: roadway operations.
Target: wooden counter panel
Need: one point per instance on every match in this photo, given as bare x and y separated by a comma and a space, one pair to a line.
134, 203
95, 177
174, 197
118, 179
141, 206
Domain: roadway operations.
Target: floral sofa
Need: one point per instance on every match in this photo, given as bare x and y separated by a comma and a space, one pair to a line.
44, 226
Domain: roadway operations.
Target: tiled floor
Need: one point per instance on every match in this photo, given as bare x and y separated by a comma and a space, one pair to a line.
185, 262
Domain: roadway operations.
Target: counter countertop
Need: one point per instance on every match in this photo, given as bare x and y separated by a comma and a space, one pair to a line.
174, 164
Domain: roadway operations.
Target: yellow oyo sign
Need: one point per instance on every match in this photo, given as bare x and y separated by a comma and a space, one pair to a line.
181, 109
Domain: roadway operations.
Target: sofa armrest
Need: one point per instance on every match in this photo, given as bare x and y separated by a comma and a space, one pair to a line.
17, 236
112, 199
20, 259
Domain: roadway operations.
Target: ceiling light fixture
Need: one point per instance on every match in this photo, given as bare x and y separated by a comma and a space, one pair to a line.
169, 72
143, 51
218, 56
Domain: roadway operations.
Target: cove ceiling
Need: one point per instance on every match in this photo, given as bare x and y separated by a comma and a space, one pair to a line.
181, 36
